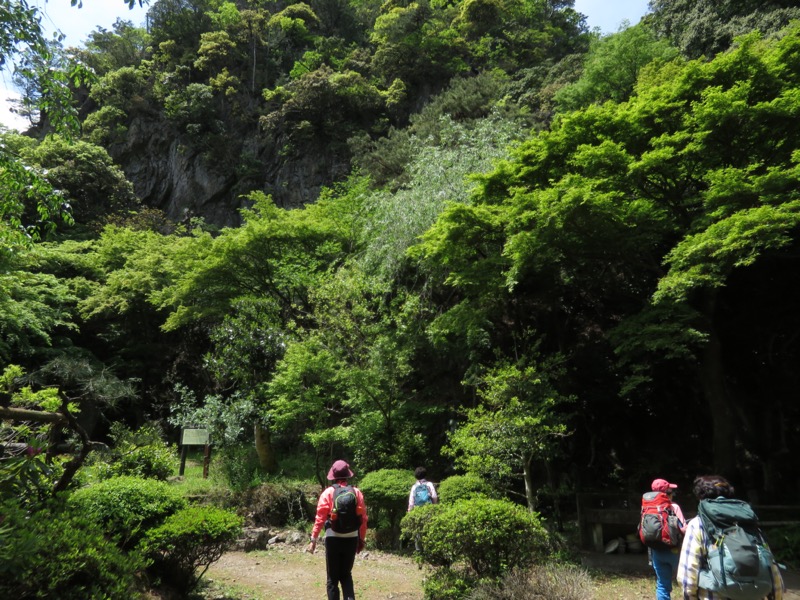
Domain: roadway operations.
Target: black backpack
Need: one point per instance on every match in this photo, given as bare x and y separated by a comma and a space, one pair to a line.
344, 517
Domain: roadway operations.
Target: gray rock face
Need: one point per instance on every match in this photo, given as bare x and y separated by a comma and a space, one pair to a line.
174, 173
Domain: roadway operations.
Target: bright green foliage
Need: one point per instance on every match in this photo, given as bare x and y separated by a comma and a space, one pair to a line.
32, 306
373, 345
188, 540
386, 491
448, 583
387, 488
106, 51
117, 88
305, 387
463, 487
141, 453
191, 106
689, 184
516, 426
322, 104
127, 507
612, 67
60, 553
138, 266
491, 536
277, 253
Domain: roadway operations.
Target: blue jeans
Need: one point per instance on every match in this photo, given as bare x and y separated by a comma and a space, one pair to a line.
665, 564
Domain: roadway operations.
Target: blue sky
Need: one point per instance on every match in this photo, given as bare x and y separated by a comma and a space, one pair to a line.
77, 23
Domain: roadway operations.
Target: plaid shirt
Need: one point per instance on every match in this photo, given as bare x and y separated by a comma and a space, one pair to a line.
693, 558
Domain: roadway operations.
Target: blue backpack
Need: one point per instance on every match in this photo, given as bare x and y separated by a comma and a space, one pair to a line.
739, 564
422, 495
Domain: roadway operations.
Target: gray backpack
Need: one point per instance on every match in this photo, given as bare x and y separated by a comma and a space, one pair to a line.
739, 564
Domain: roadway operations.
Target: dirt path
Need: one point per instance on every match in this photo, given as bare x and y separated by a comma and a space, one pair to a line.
634, 568
286, 572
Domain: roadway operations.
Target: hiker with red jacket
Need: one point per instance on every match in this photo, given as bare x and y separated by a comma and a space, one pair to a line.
663, 553
342, 512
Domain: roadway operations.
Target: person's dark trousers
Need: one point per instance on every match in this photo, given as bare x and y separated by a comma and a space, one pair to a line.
340, 554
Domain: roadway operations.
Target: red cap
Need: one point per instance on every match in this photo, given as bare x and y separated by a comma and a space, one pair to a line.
662, 485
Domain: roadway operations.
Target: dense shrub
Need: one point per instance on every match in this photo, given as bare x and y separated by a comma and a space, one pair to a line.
491, 536
192, 538
126, 507
59, 553
785, 544
386, 492
240, 467
140, 453
413, 523
277, 504
460, 487
448, 584
552, 581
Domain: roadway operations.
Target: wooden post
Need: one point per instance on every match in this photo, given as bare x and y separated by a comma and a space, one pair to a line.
184, 452
206, 460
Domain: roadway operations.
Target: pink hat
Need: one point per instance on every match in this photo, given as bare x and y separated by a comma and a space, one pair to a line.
662, 485
339, 470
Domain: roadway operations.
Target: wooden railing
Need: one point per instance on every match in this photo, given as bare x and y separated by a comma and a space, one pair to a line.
599, 514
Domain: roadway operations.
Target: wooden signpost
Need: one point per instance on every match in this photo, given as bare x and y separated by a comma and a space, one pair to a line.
195, 436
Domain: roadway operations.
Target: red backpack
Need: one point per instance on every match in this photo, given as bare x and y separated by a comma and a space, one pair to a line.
658, 527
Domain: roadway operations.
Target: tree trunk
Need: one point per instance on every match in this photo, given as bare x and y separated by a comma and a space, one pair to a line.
712, 380
264, 449
527, 475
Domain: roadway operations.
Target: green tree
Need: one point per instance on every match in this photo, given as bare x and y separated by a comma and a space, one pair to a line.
123, 46
21, 36
665, 196
705, 28
612, 66
517, 425
90, 184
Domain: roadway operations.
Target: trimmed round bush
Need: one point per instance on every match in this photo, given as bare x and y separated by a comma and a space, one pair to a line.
192, 538
59, 553
387, 489
459, 487
126, 507
491, 536
413, 523
386, 492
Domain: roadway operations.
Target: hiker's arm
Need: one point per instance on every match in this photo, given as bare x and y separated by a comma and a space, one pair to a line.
691, 558
362, 510
323, 510
681, 518
434, 495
